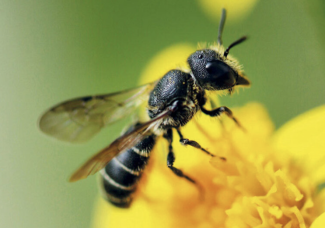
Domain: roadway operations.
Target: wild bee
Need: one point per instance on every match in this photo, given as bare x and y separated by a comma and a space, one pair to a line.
172, 102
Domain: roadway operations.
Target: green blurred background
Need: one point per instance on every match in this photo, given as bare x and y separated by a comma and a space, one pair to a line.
54, 50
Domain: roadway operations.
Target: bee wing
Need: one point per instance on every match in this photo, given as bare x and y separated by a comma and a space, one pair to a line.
79, 119
126, 141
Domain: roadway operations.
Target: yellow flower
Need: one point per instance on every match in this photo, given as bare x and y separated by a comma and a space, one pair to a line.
237, 9
270, 179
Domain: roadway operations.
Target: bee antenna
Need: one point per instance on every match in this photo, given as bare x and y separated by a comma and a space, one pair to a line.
221, 25
234, 44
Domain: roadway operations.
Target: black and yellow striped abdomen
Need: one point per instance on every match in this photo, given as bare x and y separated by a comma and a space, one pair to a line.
119, 178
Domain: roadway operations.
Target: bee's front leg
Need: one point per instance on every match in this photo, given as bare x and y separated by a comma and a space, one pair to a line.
219, 111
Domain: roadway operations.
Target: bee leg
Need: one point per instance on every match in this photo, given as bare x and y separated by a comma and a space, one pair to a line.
195, 144
171, 159
219, 111
178, 172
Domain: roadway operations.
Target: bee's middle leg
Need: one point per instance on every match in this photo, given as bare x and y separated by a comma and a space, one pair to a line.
195, 144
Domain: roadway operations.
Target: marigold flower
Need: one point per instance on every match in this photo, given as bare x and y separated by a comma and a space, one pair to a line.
270, 179
238, 9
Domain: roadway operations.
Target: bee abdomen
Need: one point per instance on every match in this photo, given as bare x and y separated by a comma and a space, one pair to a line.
120, 176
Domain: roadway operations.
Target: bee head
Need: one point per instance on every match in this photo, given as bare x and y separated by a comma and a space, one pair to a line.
210, 68
210, 71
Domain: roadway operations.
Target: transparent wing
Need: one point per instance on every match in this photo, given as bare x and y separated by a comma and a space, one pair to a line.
126, 141
79, 119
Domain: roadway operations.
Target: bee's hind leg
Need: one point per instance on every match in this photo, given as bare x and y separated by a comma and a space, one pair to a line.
171, 159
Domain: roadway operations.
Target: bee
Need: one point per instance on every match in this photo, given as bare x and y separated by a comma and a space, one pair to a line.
173, 100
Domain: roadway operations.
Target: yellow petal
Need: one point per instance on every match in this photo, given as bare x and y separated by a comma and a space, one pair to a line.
319, 222
170, 58
236, 9
139, 215
302, 138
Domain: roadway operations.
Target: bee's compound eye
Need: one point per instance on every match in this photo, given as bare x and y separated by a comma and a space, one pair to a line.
220, 75
200, 56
